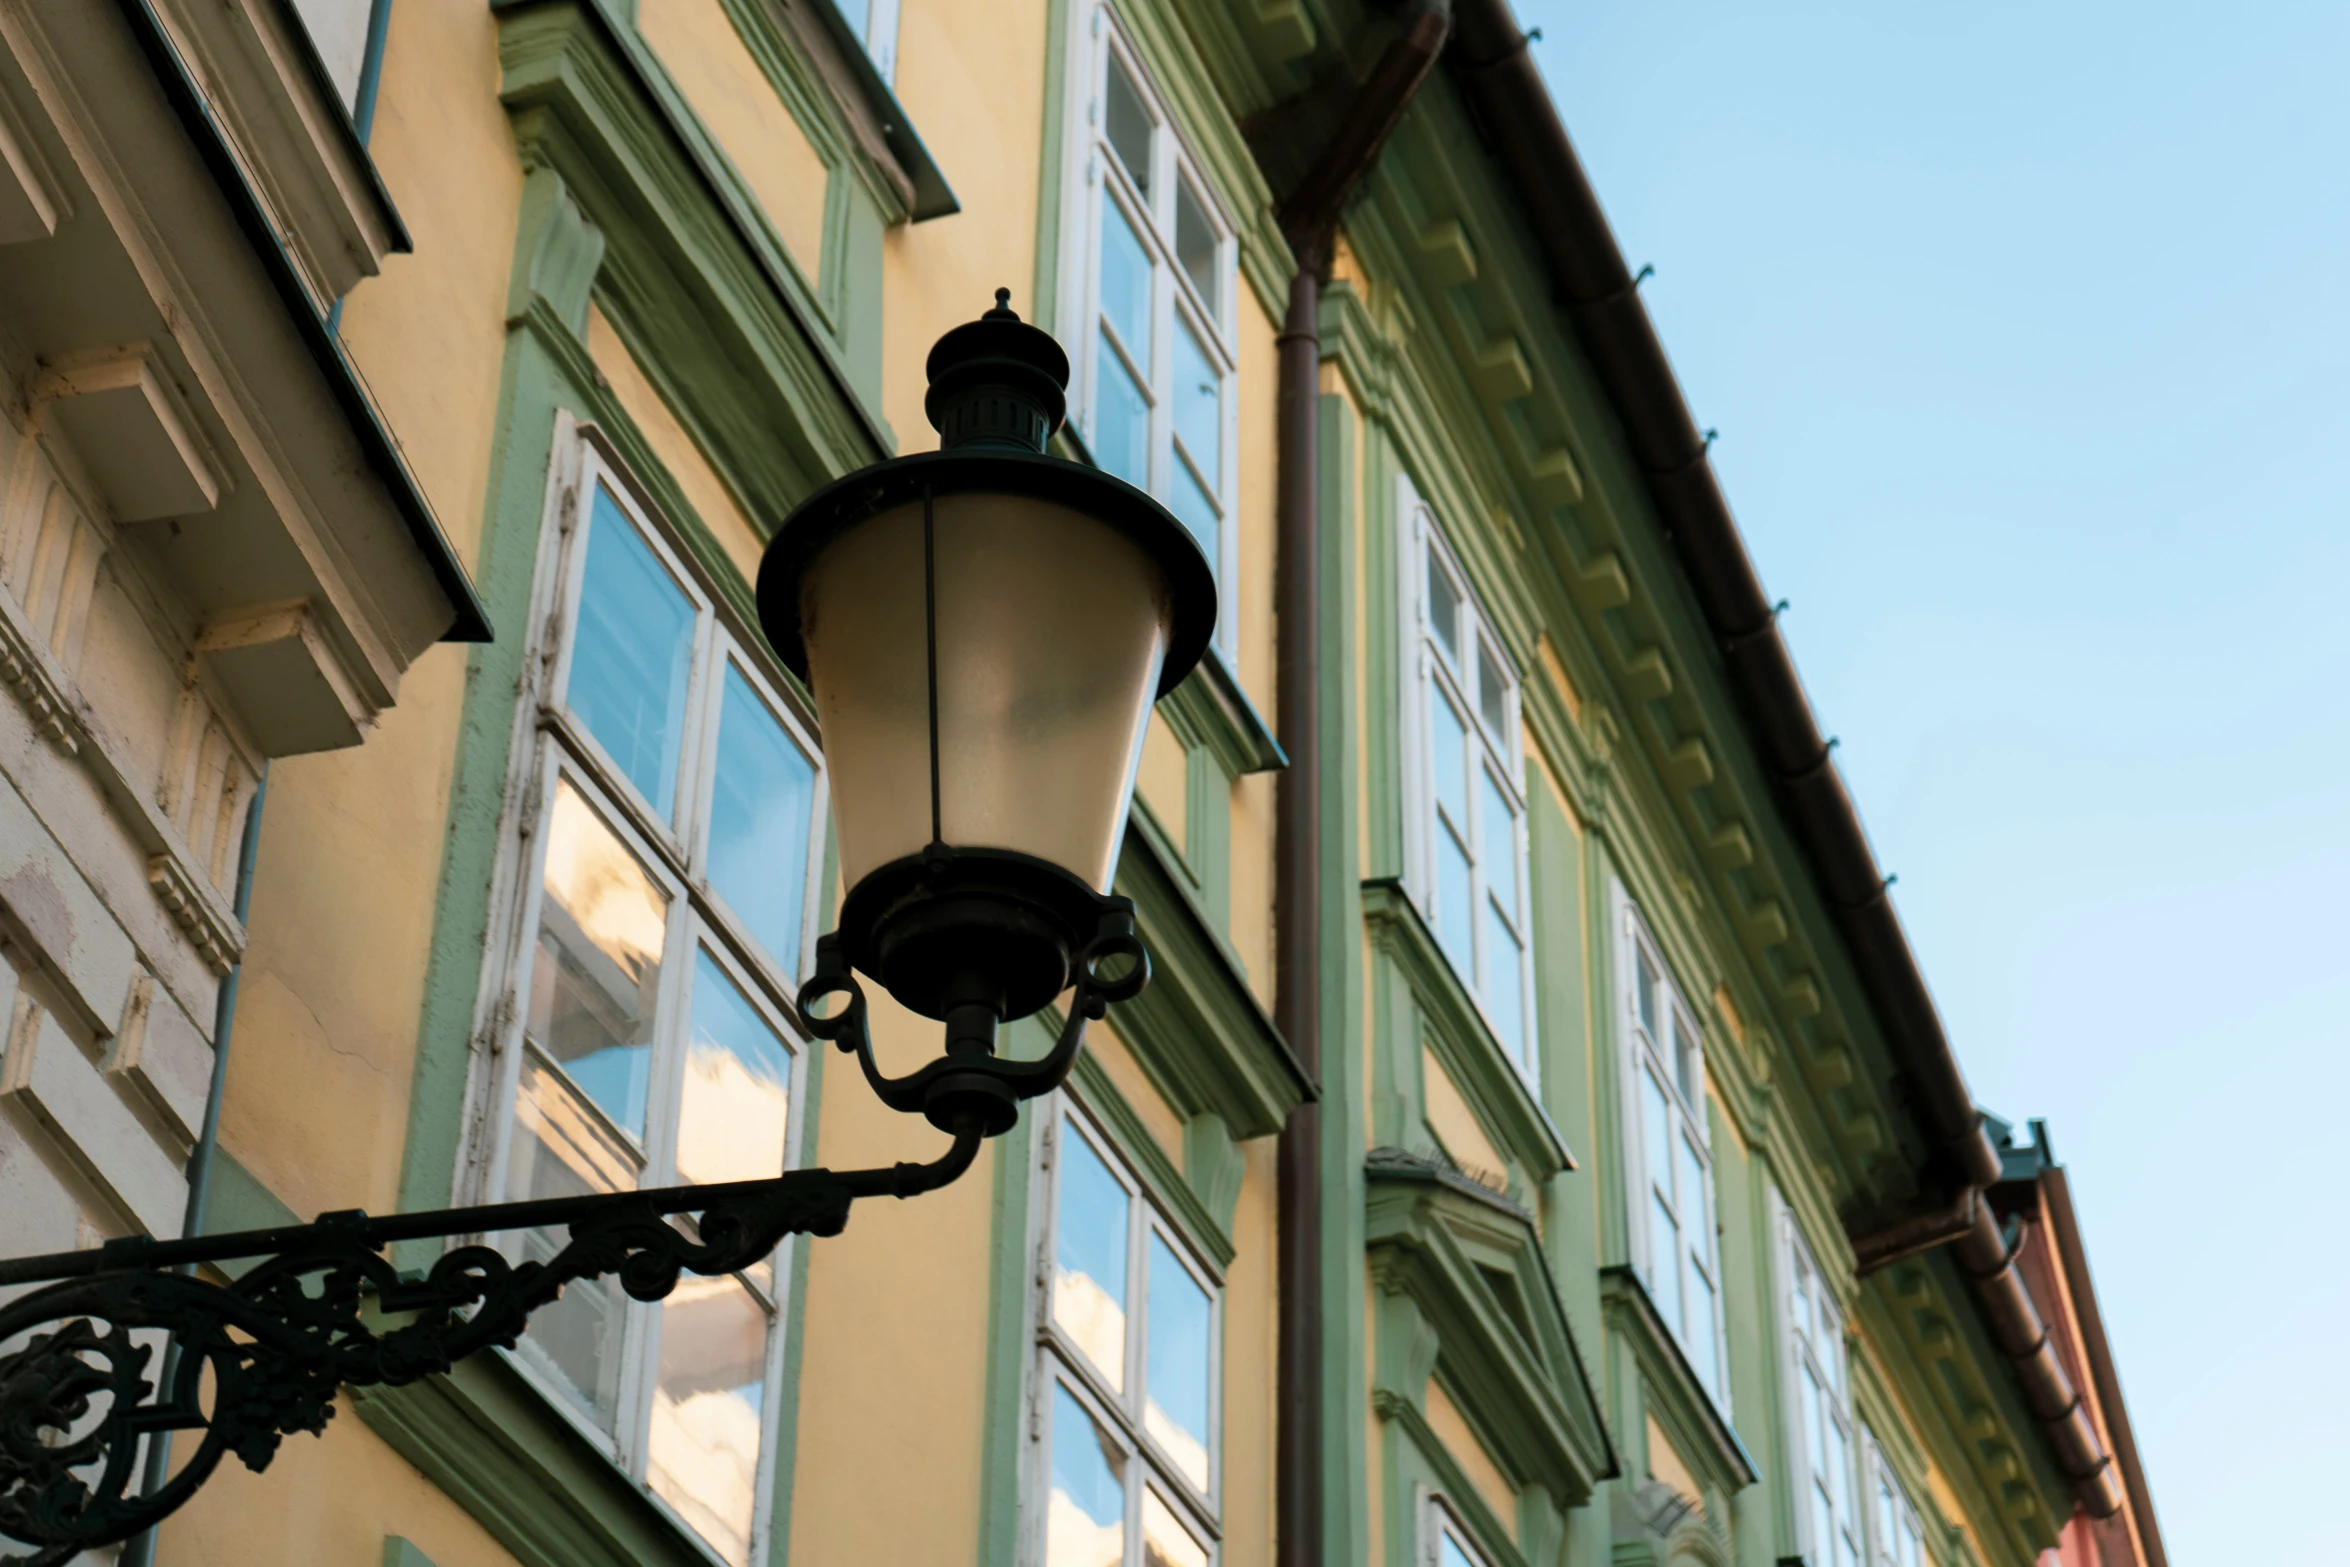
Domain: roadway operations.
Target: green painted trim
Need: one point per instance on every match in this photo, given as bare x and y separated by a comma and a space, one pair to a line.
495, 1446
1044, 298
1197, 1029
1442, 1475
1346, 1376
399, 1553
1168, 1189
1452, 1024
1674, 1396
642, 168
1219, 712
1435, 1241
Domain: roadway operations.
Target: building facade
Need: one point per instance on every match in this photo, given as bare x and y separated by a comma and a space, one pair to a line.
1536, 1146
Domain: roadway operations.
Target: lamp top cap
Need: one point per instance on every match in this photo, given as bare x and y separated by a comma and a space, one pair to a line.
997, 381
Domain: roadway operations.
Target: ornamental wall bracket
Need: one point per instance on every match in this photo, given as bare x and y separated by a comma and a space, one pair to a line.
126, 1342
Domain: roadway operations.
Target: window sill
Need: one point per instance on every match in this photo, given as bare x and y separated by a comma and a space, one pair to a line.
1680, 1402
887, 118
487, 1437
1198, 1029
1505, 1101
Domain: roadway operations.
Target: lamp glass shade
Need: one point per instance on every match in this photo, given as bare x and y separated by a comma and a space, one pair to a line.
1051, 633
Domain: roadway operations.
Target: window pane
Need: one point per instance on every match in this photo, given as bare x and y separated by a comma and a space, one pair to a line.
1176, 1384
1493, 697
1448, 750
1823, 1525
1689, 1195
737, 1086
1199, 404
1191, 506
1454, 1556
1126, 284
1704, 1350
1503, 989
1195, 246
1656, 1134
1456, 902
702, 1455
759, 810
1665, 1267
1497, 848
1129, 125
603, 922
1121, 419
1444, 607
564, 1149
1166, 1543
632, 655
1089, 1287
1085, 1522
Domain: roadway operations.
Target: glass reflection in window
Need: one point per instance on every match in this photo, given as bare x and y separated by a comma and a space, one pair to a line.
703, 1452
1089, 1281
632, 655
1175, 1383
760, 805
603, 924
1085, 1518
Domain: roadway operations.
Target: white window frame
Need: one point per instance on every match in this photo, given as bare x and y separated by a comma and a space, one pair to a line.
1896, 1529
1091, 175
1432, 677
1059, 1362
1676, 1065
1813, 1357
1440, 1524
552, 747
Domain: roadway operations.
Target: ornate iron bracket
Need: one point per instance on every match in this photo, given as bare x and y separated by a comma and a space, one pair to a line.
254, 1360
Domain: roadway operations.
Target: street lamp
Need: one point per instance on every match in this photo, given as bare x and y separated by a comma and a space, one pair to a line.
985, 628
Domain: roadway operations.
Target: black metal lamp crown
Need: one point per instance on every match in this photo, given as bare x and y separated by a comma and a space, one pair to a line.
985, 628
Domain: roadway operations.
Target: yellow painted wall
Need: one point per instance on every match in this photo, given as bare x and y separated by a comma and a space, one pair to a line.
740, 108
1251, 1324
1666, 1464
1456, 1125
330, 1499
1162, 781
1252, 797
893, 1364
1452, 1427
344, 902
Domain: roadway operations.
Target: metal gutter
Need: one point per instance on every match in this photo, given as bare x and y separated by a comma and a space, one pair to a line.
470, 622
1308, 215
1505, 92
2058, 1192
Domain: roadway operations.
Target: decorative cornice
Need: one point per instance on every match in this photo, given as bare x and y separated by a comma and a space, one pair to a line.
1514, 1369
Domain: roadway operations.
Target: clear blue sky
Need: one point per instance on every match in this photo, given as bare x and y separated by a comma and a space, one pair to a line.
2027, 331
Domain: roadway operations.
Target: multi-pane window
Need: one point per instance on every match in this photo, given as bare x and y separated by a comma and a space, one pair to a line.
664, 897
1151, 263
1127, 1373
1820, 1413
1896, 1537
1468, 843
1671, 1165
875, 22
